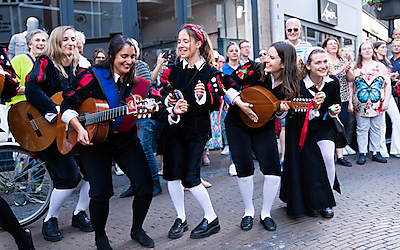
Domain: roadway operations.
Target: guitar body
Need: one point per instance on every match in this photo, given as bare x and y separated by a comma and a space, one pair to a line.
264, 105
29, 128
67, 139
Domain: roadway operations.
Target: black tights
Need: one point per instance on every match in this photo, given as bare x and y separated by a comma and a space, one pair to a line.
9, 222
99, 213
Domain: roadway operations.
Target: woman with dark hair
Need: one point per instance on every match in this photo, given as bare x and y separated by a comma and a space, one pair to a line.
113, 80
342, 70
309, 168
380, 51
199, 83
53, 72
278, 74
99, 55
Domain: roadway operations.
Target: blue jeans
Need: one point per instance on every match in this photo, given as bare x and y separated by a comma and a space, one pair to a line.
145, 134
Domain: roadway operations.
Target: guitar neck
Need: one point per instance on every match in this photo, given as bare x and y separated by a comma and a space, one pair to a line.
102, 116
300, 103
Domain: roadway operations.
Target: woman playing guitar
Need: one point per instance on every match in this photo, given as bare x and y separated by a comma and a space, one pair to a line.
113, 80
279, 75
51, 73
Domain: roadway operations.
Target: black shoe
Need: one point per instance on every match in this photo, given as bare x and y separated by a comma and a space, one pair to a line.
313, 213
140, 236
102, 243
378, 157
128, 193
205, 229
327, 212
50, 230
157, 190
342, 161
247, 223
362, 159
82, 221
176, 231
268, 224
30, 241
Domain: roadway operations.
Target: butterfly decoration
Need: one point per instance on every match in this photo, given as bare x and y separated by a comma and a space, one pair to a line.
366, 91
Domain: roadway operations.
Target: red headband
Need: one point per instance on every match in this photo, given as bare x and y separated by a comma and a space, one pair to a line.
199, 34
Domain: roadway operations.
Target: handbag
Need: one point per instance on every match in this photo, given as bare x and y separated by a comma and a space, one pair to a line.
340, 134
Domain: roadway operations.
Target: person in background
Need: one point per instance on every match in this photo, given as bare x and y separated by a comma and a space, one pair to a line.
380, 51
244, 47
342, 70
219, 59
23, 63
99, 55
53, 72
232, 63
200, 84
370, 94
395, 35
145, 132
262, 56
80, 41
293, 32
18, 44
311, 163
395, 60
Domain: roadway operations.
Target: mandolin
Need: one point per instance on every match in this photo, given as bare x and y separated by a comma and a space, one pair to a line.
95, 116
265, 104
29, 128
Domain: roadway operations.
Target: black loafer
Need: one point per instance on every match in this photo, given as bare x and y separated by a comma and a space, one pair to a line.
102, 243
313, 213
362, 159
327, 212
82, 221
268, 223
50, 230
342, 161
128, 193
378, 158
247, 223
140, 236
205, 229
176, 231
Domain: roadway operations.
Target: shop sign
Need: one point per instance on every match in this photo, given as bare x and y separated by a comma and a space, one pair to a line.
327, 12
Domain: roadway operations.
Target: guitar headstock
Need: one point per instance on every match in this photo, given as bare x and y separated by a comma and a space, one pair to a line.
141, 108
301, 104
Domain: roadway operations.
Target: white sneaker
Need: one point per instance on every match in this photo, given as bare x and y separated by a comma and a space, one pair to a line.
345, 151
385, 154
350, 150
225, 151
232, 170
118, 170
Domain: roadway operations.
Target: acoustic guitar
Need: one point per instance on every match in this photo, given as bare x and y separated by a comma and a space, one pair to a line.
29, 128
95, 116
2, 79
265, 104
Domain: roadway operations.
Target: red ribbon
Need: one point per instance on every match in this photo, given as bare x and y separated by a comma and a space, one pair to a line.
305, 126
197, 31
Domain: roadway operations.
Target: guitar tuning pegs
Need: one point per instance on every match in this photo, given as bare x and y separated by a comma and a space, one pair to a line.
149, 115
139, 116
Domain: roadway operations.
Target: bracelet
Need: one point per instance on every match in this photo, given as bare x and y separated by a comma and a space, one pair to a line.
173, 111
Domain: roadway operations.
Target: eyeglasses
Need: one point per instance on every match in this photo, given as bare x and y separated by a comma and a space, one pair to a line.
290, 30
263, 54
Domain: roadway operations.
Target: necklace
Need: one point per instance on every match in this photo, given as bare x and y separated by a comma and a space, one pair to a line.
319, 84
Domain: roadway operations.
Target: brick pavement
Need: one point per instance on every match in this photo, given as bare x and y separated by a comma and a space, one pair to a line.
366, 216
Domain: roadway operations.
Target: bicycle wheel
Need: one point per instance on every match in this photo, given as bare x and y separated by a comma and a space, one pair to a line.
24, 183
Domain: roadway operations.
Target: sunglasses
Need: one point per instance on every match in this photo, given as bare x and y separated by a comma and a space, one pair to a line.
295, 30
263, 54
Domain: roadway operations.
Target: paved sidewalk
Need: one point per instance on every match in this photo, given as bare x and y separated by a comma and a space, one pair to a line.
366, 215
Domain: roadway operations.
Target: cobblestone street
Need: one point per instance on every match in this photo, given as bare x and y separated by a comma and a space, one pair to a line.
366, 215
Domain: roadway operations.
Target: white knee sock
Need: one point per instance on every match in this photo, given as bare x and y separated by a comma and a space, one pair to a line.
57, 199
200, 193
328, 153
246, 187
176, 193
84, 198
270, 189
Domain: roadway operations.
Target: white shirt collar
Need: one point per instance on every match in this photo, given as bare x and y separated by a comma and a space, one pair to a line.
309, 83
116, 76
198, 65
273, 82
